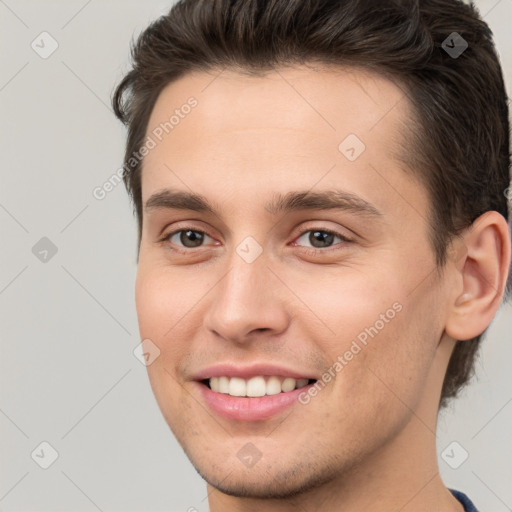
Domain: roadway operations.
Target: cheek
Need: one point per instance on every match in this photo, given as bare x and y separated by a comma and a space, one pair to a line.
163, 304
348, 304
163, 300
377, 336
151, 300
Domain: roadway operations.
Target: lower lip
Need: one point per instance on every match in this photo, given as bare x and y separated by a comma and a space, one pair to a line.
250, 409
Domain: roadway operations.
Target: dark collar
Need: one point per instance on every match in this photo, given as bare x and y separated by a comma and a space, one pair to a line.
466, 502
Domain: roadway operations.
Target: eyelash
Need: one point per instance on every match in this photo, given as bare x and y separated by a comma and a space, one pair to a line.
308, 250
314, 251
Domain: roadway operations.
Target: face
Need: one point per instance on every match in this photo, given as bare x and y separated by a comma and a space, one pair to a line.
286, 276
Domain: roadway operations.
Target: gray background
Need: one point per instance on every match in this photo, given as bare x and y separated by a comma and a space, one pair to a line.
68, 373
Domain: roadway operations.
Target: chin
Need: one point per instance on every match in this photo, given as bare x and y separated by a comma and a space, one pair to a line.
266, 481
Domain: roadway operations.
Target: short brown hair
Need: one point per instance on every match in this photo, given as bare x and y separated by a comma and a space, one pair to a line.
459, 141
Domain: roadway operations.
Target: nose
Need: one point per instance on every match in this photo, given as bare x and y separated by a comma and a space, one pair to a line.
248, 300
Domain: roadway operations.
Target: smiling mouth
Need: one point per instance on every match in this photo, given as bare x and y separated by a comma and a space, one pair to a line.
255, 386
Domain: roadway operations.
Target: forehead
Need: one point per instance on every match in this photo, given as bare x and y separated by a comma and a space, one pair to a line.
316, 100
290, 125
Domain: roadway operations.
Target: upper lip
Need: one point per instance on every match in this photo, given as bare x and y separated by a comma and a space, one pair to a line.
248, 371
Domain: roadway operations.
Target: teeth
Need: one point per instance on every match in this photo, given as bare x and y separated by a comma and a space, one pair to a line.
288, 384
237, 387
255, 386
214, 384
273, 386
301, 383
223, 385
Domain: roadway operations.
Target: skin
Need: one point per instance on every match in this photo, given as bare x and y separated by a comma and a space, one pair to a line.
367, 440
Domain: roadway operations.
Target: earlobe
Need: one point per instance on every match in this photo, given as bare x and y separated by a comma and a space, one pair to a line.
481, 271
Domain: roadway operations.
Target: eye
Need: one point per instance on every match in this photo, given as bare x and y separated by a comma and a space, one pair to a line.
321, 238
318, 239
189, 238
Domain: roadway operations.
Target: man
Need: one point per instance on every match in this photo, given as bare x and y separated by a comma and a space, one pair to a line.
320, 188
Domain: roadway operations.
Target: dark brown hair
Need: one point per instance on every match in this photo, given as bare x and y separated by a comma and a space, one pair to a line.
458, 145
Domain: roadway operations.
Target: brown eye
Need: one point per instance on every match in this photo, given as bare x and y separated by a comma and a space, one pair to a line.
189, 238
321, 238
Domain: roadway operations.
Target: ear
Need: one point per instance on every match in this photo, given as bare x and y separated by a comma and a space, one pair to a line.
480, 261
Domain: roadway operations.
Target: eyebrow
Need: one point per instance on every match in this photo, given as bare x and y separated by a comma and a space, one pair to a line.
291, 201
